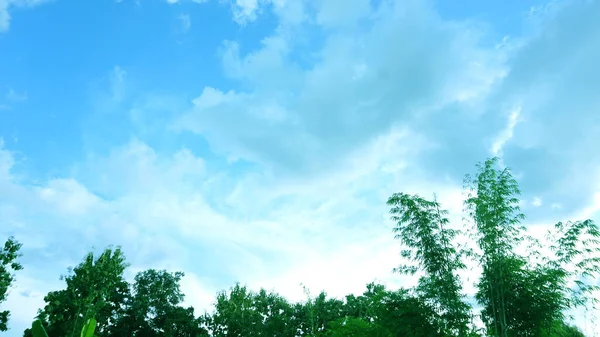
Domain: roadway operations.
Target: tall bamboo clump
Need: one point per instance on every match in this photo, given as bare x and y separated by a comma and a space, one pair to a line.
492, 204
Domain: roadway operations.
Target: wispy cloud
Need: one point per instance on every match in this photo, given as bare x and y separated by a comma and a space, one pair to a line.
185, 21
117, 86
243, 11
194, 1
13, 96
6, 5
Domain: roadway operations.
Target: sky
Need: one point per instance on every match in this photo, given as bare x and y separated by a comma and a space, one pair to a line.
258, 140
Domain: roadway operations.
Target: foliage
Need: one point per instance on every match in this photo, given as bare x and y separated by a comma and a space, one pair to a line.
95, 288
404, 315
577, 256
380, 312
88, 329
423, 228
561, 329
8, 265
493, 205
357, 327
319, 313
37, 329
153, 308
244, 313
524, 295
533, 298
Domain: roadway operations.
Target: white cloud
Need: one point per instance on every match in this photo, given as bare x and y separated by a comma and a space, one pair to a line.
68, 196
5, 6
186, 22
6, 162
547, 145
178, 1
4, 15
332, 13
197, 294
245, 11
507, 133
10, 98
13, 96
401, 80
117, 79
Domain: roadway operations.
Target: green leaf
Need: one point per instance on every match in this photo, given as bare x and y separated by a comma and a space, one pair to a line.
38, 329
89, 328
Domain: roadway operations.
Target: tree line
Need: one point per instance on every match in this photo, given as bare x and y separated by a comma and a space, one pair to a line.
519, 294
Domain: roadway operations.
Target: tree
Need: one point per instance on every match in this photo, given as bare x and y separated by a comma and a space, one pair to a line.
561, 329
577, 256
277, 313
493, 205
95, 288
235, 314
404, 315
8, 265
398, 313
356, 327
153, 309
241, 312
526, 296
533, 298
380, 312
318, 314
421, 226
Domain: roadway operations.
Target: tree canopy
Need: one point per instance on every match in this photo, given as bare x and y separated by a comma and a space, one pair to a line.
517, 294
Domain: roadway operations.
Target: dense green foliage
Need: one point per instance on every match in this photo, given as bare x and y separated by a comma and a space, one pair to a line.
519, 295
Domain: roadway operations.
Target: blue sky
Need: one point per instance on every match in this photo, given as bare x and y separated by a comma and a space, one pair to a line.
258, 140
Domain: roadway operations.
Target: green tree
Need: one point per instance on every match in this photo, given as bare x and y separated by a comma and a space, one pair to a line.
356, 327
422, 227
277, 314
234, 314
8, 265
533, 298
405, 315
577, 256
380, 312
561, 329
241, 312
493, 205
526, 295
318, 314
154, 308
95, 288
